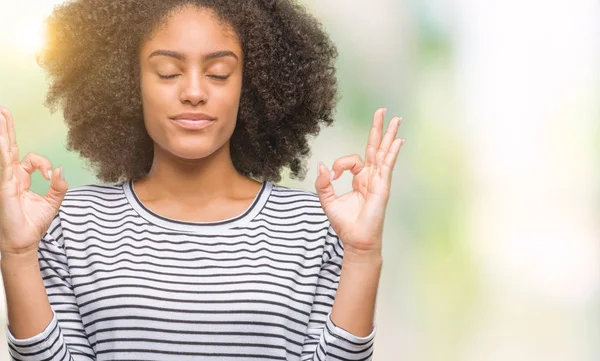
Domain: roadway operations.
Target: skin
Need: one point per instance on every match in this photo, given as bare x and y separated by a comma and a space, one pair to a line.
193, 178
357, 218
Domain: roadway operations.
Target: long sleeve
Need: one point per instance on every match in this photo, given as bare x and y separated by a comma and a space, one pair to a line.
324, 340
64, 338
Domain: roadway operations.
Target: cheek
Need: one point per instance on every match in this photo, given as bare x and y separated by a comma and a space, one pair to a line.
230, 98
153, 108
156, 101
153, 97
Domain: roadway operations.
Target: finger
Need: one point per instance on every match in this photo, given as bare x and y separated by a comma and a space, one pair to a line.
58, 188
324, 186
33, 162
375, 136
353, 163
30, 164
7, 165
12, 136
388, 138
390, 159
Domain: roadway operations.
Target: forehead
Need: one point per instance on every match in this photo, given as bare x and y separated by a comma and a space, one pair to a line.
193, 31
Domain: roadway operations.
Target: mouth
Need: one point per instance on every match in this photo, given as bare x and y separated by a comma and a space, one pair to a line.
193, 121
193, 116
193, 124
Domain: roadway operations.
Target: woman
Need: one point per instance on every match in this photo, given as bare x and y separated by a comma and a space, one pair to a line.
188, 110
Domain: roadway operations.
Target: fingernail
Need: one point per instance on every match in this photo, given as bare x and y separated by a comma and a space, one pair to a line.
319, 168
49, 173
331, 176
62, 176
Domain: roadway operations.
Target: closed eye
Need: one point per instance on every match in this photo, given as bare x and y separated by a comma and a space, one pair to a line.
219, 77
168, 76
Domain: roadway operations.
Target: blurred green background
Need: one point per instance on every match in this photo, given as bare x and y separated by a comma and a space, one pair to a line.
492, 239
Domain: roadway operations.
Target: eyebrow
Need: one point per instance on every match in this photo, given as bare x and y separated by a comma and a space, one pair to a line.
206, 57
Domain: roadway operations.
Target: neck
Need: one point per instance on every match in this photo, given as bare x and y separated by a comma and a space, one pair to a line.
194, 181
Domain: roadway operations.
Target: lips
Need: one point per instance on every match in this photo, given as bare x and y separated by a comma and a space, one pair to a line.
194, 117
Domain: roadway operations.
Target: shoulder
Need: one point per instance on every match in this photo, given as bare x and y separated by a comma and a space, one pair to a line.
305, 205
100, 194
296, 206
286, 195
82, 203
97, 188
289, 190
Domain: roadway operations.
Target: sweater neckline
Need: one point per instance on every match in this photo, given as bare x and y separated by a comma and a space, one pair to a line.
198, 227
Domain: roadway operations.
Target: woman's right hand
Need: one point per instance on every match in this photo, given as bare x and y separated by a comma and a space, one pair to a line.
25, 216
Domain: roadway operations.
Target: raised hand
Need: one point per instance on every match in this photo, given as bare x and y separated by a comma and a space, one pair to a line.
357, 216
24, 215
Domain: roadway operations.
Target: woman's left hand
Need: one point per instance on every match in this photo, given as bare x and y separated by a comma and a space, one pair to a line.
357, 217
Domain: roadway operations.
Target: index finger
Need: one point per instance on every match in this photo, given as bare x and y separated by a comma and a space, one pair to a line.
353, 163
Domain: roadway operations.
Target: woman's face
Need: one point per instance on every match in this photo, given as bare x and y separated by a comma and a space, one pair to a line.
191, 80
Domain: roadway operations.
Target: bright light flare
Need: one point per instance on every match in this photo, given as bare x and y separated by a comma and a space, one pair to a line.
30, 37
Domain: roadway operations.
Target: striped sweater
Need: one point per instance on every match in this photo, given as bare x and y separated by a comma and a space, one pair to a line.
125, 283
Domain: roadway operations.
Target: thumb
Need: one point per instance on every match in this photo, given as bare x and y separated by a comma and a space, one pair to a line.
58, 188
324, 186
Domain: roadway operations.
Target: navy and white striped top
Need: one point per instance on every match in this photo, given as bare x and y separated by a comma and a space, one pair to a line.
128, 284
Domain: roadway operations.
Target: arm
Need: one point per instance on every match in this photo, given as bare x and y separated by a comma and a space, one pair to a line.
36, 330
27, 304
341, 338
354, 306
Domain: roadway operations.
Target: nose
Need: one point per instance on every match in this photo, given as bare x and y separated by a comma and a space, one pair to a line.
193, 90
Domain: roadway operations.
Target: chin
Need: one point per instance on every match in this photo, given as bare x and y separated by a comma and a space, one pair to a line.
189, 146
190, 153
187, 151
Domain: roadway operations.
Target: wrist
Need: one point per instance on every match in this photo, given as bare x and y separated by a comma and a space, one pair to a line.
18, 260
362, 257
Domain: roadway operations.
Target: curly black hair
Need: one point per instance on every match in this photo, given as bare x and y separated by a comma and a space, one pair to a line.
289, 87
